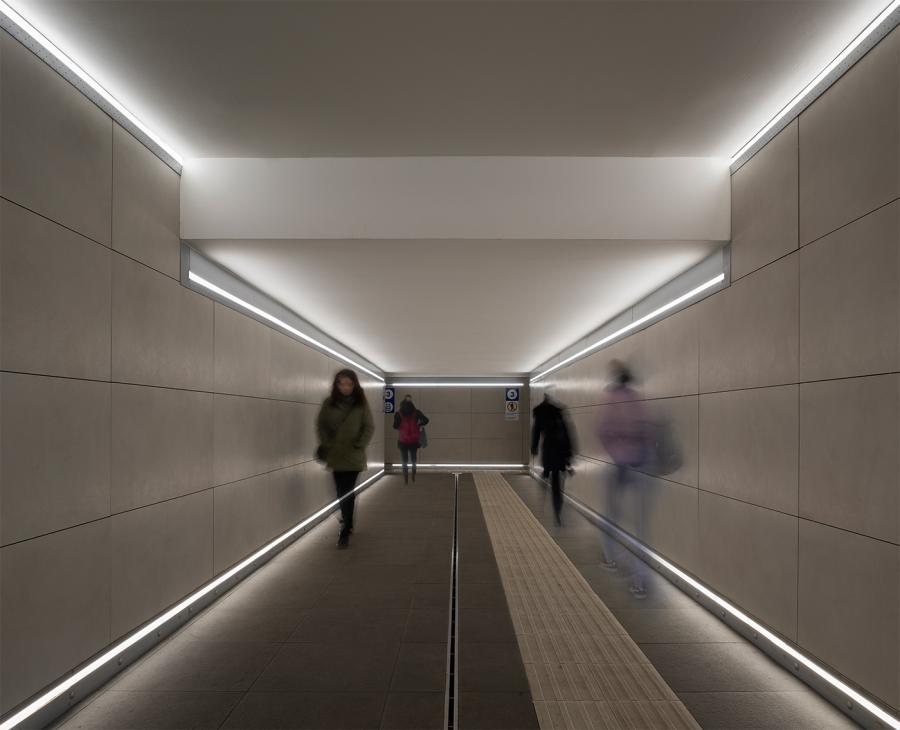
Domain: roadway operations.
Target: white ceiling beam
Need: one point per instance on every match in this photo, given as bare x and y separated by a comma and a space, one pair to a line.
677, 198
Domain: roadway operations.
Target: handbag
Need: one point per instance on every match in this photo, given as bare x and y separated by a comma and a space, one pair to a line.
423, 438
321, 454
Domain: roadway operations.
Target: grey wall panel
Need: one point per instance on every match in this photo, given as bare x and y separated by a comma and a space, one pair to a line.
669, 520
679, 416
290, 500
57, 146
850, 454
54, 298
319, 377
243, 356
749, 332
666, 362
488, 400
288, 432
764, 208
850, 142
850, 299
445, 451
749, 446
162, 444
242, 519
159, 554
146, 206
447, 425
495, 426
54, 470
243, 437
162, 333
849, 615
750, 554
445, 400
54, 596
289, 362
497, 451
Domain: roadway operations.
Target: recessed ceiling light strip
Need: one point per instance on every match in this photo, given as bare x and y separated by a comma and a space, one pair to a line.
108, 656
454, 384
650, 555
633, 325
197, 279
884, 23
24, 32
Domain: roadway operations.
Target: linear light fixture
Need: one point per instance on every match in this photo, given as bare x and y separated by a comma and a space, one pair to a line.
888, 719
14, 19
123, 645
804, 96
460, 384
465, 466
637, 323
197, 279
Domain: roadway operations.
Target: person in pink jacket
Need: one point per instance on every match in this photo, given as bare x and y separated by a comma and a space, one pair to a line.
624, 431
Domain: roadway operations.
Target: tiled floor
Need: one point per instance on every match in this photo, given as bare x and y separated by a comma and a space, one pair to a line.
317, 638
721, 678
583, 669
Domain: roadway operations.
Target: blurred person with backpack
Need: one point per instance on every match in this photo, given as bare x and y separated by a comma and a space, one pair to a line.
557, 448
409, 422
625, 432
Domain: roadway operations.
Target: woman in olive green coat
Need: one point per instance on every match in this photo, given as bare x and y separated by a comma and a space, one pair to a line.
345, 427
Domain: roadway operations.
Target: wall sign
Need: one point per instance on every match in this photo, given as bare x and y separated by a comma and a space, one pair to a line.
388, 400
512, 404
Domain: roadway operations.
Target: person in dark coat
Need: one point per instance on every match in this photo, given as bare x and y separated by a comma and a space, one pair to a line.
557, 448
409, 422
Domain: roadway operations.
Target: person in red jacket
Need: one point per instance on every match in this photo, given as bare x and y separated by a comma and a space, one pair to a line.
409, 422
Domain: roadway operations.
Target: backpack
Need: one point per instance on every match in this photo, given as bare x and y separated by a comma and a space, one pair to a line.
409, 429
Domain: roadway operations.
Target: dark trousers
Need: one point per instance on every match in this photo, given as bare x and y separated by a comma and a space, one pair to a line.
556, 485
344, 481
408, 452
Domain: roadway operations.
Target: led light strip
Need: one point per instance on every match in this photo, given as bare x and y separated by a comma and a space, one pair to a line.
465, 466
889, 720
108, 656
797, 103
274, 320
460, 384
48, 46
637, 323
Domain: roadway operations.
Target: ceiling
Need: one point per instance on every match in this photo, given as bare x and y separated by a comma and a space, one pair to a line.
665, 78
234, 78
462, 307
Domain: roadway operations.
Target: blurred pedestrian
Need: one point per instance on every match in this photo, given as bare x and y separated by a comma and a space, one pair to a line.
624, 432
409, 422
345, 427
556, 450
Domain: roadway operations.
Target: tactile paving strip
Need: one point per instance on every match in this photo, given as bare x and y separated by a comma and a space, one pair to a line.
583, 668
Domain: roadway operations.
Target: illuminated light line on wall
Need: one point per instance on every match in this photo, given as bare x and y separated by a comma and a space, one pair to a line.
624, 537
465, 466
637, 323
12, 17
112, 653
274, 320
418, 384
798, 103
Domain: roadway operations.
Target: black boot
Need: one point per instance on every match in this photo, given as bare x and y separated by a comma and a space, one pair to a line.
344, 539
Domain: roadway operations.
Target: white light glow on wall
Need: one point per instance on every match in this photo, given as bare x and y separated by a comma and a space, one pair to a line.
197, 279
160, 620
45, 43
633, 325
652, 556
789, 110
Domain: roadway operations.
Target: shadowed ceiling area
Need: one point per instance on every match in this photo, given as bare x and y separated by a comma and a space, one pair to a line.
371, 78
457, 307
